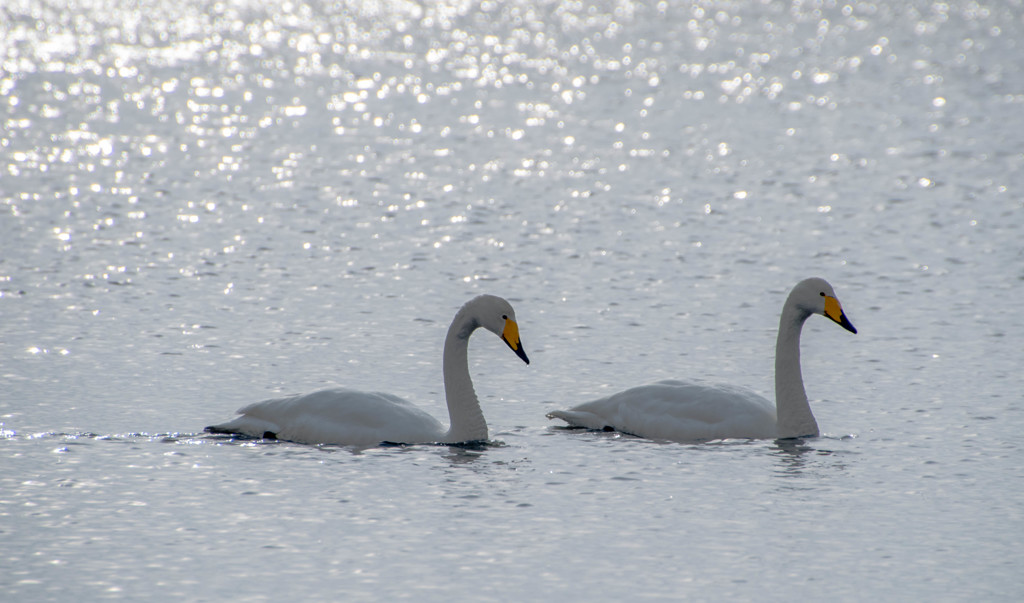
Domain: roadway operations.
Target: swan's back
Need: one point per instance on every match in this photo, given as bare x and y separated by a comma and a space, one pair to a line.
336, 416
681, 411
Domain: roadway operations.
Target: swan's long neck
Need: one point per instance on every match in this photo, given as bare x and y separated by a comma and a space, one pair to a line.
467, 419
793, 411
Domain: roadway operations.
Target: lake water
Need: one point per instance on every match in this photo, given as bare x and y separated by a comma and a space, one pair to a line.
205, 204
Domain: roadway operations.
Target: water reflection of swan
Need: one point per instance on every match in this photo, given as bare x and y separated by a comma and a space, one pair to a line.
690, 411
354, 418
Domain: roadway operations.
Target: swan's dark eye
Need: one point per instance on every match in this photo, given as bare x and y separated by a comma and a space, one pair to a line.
504, 316
822, 294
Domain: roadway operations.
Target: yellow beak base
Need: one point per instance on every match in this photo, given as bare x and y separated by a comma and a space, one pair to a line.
834, 311
510, 335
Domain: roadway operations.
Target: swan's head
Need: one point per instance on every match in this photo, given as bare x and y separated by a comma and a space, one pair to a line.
816, 296
497, 316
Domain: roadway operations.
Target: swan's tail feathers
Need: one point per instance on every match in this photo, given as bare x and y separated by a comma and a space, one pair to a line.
247, 426
578, 418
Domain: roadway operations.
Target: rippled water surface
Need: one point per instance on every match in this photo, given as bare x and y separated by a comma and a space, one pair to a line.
205, 204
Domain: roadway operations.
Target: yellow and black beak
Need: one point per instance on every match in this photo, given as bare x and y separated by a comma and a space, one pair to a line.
510, 335
834, 311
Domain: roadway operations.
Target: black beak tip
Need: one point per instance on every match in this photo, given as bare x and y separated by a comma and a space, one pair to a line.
518, 350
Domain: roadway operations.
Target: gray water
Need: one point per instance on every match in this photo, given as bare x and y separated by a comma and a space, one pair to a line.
205, 204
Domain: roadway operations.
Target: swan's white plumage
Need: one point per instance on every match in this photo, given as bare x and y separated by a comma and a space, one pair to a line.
678, 410
355, 418
337, 416
686, 411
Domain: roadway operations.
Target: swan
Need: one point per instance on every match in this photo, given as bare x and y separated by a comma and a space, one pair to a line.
686, 411
363, 419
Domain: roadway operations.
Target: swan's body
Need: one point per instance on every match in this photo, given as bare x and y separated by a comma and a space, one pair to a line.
686, 411
354, 418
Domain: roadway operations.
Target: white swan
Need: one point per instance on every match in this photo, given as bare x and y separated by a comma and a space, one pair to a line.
686, 411
353, 418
